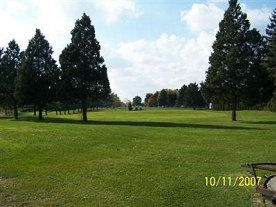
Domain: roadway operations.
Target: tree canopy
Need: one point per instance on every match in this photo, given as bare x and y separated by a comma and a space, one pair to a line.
83, 72
270, 58
137, 101
235, 60
9, 66
38, 75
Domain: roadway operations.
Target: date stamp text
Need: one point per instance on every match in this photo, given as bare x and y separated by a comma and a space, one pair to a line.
238, 181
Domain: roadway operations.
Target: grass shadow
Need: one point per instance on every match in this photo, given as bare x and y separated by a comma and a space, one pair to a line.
260, 122
133, 123
3, 117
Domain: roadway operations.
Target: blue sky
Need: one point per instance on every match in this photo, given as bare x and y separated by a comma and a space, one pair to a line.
147, 45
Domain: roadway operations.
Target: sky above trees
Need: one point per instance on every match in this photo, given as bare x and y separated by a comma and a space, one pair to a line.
147, 45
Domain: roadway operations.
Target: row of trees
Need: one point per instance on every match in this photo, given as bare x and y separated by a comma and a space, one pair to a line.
186, 96
33, 77
242, 64
242, 71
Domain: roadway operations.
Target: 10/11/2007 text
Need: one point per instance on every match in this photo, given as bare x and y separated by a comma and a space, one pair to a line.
239, 181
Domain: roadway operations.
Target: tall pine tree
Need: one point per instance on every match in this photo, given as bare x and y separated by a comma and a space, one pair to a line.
38, 75
83, 72
270, 59
271, 39
8, 71
234, 60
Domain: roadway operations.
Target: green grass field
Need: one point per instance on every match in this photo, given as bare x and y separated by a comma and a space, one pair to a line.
153, 157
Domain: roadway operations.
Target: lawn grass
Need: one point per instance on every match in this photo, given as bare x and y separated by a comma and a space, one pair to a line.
153, 157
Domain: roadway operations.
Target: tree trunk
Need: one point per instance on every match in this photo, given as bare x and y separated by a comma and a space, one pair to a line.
234, 109
15, 110
84, 109
40, 110
34, 110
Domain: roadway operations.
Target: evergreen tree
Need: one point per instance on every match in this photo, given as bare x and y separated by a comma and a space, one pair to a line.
83, 73
38, 75
171, 97
258, 85
234, 60
181, 95
8, 71
270, 59
271, 39
193, 96
154, 98
162, 98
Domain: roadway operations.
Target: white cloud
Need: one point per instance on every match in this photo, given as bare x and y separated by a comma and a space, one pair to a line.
15, 24
202, 17
259, 18
196, 51
136, 67
113, 10
167, 62
56, 19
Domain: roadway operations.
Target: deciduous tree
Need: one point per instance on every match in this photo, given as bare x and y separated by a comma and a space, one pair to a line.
137, 101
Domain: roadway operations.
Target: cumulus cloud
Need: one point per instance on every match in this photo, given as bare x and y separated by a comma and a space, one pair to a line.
257, 17
169, 61
135, 67
202, 17
113, 10
56, 18
13, 26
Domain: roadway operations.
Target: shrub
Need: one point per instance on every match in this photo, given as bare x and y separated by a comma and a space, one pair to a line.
129, 105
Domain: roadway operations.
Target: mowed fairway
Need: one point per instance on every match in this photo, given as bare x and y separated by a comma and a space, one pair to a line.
153, 157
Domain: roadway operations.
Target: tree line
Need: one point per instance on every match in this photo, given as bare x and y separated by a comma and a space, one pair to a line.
241, 73
186, 96
32, 77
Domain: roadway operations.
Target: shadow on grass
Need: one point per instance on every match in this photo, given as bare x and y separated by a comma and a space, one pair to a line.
259, 122
133, 123
3, 117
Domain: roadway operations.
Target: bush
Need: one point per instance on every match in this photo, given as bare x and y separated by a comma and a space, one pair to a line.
271, 105
129, 105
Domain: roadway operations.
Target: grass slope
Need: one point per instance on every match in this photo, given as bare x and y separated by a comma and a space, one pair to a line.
154, 157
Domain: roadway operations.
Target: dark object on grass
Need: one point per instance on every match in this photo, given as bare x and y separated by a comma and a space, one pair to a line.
268, 188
